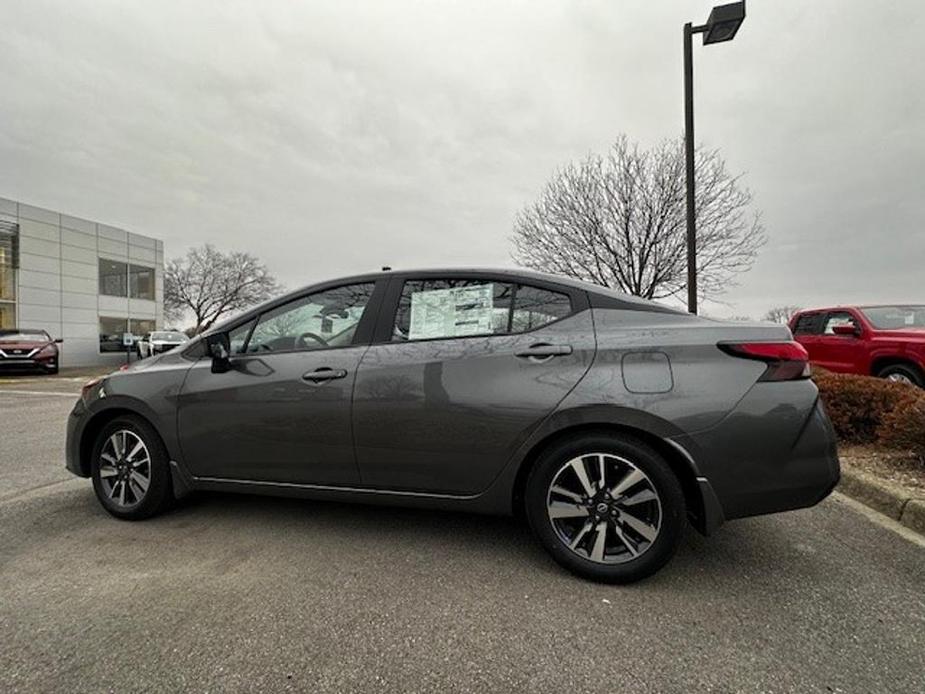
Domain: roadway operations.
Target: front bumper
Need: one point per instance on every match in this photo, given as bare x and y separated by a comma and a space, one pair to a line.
775, 452
24, 363
76, 422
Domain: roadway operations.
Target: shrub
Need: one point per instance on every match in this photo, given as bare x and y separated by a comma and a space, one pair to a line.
904, 426
871, 410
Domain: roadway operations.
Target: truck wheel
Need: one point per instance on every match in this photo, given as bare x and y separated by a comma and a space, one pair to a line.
903, 373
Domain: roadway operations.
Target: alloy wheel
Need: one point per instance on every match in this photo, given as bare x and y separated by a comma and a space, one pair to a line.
125, 468
897, 377
604, 508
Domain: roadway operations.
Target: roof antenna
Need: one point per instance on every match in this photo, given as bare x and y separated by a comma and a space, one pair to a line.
386, 268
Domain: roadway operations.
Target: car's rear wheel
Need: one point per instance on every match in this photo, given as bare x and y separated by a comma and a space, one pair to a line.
609, 509
130, 469
903, 373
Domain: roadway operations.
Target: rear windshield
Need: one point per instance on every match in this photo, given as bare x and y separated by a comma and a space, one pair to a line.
23, 335
172, 337
895, 317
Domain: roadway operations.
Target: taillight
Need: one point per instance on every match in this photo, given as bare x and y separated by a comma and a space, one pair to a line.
787, 361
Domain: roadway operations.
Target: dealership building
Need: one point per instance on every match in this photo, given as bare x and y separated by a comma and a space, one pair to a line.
84, 282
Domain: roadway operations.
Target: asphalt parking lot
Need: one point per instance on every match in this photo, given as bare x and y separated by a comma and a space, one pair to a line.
234, 593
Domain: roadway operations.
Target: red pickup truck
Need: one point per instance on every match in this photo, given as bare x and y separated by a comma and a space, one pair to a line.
885, 341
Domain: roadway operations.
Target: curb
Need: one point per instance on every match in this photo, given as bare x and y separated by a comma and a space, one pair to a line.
890, 499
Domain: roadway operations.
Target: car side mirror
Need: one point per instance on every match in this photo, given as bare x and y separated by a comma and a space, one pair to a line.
219, 350
846, 330
58, 340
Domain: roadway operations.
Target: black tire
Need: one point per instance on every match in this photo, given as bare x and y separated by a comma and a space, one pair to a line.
53, 370
669, 504
158, 496
909, 372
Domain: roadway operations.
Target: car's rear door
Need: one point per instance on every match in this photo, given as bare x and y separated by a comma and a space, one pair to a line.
462, 369
282, 412
807, 329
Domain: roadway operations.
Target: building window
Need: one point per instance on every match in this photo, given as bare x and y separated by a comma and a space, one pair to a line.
7, 315
111, 331
140, 328
141, 282
113, 278
9, 238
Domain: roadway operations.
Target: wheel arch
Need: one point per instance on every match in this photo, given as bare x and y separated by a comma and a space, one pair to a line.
700, 502
879, 363
99, 420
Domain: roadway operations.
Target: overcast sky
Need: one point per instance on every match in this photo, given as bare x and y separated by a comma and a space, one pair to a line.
337, 137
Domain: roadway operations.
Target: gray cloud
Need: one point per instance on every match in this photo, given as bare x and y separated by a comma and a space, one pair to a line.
333, 137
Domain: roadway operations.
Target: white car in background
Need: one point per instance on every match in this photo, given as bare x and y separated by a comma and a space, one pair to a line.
159, 341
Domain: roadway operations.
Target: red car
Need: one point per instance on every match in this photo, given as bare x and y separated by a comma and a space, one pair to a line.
26, 349
885, 341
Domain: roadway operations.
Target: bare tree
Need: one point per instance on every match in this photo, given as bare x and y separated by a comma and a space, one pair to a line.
619, 221
781, 314
211, 284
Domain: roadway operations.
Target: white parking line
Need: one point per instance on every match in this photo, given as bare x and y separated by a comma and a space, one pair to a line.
39, 392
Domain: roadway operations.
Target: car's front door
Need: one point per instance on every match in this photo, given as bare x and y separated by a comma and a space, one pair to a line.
281, 413
839, 353
463, 372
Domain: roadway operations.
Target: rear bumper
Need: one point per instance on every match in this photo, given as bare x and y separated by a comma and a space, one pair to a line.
773, 453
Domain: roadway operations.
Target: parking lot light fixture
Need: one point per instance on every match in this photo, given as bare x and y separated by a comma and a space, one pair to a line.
722, 25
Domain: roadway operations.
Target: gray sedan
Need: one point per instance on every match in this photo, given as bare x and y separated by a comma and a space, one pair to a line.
607, 421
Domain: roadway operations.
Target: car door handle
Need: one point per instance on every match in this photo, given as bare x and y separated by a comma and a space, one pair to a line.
323, 374
542, 351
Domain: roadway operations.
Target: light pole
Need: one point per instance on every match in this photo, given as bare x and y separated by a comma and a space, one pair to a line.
722, 24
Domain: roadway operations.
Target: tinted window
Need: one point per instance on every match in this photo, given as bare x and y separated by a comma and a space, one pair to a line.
113, 278
434, 309
895, 317
534, 307
807, 324
111, 330
238, 337
141, 282
318, 321
23, 335
838, 318
142, 327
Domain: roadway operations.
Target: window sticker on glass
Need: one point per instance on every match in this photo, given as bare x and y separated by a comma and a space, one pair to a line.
453, 312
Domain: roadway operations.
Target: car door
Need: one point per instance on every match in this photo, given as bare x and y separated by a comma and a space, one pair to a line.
807, 329
281, 413
462, 370
839, 353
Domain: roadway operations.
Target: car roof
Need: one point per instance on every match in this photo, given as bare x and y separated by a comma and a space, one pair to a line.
513, 273
606, 296
845, 307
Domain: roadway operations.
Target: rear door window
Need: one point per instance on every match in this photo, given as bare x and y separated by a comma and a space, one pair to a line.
441, 309
450, 308
808, 324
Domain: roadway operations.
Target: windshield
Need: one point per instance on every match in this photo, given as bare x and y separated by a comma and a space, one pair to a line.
23, 336
169, 337
895, 317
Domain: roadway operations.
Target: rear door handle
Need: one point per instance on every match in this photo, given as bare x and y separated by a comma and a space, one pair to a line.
323, 374
543, 350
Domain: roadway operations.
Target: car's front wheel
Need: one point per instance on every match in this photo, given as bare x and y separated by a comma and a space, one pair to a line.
609, 509
130, 469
